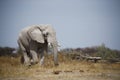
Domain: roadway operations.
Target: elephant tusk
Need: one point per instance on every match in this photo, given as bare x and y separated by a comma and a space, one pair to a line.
50, 45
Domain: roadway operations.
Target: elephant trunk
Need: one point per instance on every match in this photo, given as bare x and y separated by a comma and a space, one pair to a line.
55, 51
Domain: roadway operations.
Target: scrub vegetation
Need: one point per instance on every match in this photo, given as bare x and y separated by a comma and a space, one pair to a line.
71, 65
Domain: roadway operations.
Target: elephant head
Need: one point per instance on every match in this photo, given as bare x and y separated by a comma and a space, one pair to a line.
42, 33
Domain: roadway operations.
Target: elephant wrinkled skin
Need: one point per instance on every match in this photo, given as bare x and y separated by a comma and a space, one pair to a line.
33, 42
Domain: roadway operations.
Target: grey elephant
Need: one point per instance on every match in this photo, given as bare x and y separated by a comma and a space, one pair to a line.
33, 42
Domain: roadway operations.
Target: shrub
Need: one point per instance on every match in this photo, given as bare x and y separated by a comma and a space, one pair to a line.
6, 51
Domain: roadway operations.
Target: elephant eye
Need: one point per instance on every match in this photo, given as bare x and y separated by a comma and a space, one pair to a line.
47, 34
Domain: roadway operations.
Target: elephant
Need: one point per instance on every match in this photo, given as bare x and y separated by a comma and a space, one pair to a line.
34, 40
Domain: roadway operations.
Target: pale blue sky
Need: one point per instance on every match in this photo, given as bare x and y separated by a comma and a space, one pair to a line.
78, 23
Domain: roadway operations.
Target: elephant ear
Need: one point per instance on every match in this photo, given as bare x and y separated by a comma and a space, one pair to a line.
51, 38
36, 35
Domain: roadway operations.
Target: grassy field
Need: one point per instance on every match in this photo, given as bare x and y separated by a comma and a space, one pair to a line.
12, 69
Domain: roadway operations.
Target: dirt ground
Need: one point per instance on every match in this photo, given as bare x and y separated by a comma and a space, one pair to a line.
67, 76
11, 69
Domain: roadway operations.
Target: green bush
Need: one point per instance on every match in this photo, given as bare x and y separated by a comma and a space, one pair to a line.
6, 51
107, 53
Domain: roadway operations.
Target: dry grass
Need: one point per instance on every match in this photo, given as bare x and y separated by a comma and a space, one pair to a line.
12, 69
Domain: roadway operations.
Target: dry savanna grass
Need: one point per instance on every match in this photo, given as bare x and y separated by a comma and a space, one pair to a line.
68, 69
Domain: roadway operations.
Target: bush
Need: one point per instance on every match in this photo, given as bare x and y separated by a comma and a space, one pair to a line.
5, 51
97, 51
107, 53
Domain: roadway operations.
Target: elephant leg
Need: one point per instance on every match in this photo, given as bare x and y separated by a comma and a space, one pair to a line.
25, 59
34, 56
33, 52
40, 52
43, 51
42, 57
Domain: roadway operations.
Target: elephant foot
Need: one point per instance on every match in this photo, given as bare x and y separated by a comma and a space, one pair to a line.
42, 60
25, 61
56, 64
33, 62
41, 64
